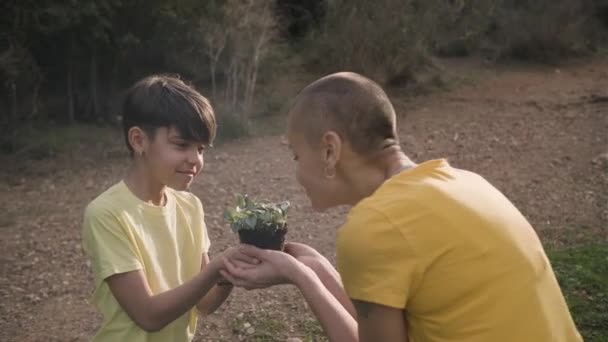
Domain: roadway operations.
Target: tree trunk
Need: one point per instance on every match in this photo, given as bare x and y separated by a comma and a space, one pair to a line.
213, 91
252, 75
235, 82
228, 86
11, 126
93, 86
70, 86
215, 58
254, 79
248, 86
12, 120
35, 94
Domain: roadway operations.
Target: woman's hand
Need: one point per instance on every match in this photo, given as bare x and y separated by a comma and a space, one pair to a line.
274, 268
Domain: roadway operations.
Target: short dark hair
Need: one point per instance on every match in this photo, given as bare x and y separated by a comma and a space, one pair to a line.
167, 101
350, 104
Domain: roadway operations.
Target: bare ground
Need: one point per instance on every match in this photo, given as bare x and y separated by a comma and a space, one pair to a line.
540, 134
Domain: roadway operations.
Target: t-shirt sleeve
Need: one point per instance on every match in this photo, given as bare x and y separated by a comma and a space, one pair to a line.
107, 244
375, 260
199, 219
206, 240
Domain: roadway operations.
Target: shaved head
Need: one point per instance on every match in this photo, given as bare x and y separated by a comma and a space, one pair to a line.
349, 104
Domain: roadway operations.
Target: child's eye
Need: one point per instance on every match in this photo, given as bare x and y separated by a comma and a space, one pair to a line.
295, 157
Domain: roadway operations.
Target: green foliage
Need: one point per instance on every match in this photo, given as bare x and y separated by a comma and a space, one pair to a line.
582, 273
541, 30
249, 214
391, 37
231, 125
69, 60
312, 330
41, 142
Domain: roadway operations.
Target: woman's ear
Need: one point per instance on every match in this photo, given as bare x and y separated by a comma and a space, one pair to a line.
331, 147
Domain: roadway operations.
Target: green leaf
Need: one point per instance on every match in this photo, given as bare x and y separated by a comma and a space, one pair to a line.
229, 214
266, 216
240, 201
250, 214
284, 206
249, 204
251, 221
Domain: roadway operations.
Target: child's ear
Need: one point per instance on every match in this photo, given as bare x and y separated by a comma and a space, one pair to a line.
332, 147
138, 139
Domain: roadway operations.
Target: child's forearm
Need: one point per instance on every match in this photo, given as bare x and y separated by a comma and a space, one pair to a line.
331, 279
214, 298
337, 322
170, 305
153, 312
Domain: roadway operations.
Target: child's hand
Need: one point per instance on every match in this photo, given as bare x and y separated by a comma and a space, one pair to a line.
236, 256
274, 268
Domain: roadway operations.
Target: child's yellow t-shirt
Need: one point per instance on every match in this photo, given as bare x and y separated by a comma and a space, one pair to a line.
121, 233
452, 250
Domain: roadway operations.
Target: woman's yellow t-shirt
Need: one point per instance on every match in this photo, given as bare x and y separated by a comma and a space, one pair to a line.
449, 248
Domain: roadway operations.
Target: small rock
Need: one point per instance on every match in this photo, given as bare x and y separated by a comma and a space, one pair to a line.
17, 289
293, 339
601, 159
33, 297
250, 331
247, 325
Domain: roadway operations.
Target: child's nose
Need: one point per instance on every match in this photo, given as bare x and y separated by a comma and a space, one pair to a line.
194, 157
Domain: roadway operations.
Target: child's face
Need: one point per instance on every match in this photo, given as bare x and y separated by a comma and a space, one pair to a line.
173, 161
310, 172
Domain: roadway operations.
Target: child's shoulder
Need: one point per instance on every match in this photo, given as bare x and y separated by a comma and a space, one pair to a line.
186, 199
111, 199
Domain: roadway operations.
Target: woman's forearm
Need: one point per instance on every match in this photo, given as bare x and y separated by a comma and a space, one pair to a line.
330, 277
338, 324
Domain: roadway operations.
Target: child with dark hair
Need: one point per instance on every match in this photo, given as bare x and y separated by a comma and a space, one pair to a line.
146, 236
